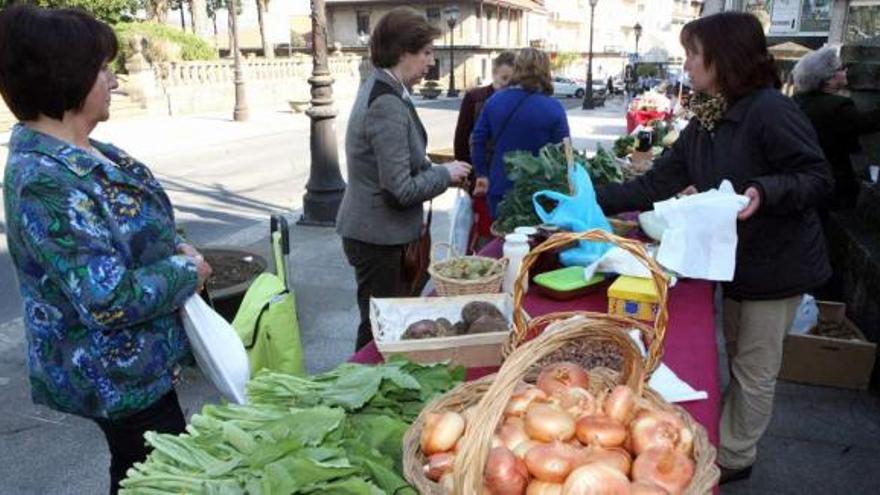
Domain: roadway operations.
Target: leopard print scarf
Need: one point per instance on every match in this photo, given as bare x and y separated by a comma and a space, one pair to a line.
707, 109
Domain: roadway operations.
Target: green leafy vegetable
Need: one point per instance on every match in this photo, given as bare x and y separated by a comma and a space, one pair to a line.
336, 433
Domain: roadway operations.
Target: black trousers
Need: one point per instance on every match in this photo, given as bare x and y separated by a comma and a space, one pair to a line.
377, 269
125, 436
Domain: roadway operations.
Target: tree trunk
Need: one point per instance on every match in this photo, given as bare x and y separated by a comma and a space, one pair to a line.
157, 10
268, 51
199, 11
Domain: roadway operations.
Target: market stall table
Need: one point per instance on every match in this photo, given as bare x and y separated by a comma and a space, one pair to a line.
690, 349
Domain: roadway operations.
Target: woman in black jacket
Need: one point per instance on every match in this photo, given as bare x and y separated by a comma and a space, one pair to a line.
746, 131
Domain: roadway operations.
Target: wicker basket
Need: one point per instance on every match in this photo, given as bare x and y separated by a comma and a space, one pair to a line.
447, 286
529, 348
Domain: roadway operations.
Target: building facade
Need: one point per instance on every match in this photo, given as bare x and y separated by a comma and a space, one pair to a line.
483, 29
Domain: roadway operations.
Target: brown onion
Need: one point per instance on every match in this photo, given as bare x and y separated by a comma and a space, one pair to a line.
658, 429
557, 377
552, 462
523, 448
645, 488
547, 423
620, 404
578, 402
665, 467
441, 432
596, 479
513, 433
616, 457
505, 474
601, 431
522, 397
538, 487
438, 465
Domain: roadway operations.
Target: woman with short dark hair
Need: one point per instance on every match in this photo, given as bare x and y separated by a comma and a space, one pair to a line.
746, 131
525, 117
389, 174
101, 270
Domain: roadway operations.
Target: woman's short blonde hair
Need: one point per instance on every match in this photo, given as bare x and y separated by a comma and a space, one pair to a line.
531, 70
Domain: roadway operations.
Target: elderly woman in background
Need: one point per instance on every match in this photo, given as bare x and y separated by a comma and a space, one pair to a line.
101, 271
389, 175
526, 117
471, 106
819, 77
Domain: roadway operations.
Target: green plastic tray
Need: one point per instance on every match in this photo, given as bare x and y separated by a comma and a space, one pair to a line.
566, 283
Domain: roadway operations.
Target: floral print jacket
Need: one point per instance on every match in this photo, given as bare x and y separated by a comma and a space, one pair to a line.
94, 244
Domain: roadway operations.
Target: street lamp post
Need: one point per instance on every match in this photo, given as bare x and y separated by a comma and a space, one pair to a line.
637, 29
240, 113
451, 20
589, 104
325, 187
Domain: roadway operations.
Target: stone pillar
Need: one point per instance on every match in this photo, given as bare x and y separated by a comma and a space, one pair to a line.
141, 83
837, 33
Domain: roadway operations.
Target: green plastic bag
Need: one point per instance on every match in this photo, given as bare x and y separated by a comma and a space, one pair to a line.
266, 321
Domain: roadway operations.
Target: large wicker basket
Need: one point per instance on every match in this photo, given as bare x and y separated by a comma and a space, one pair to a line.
529, 349
447, 286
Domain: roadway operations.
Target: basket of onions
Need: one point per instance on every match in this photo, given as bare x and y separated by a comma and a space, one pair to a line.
546, 424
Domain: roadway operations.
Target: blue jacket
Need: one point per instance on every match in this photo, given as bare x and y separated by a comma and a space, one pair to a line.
93, 244
538, 121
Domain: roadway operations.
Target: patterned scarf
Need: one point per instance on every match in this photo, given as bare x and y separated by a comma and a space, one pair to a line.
707, 109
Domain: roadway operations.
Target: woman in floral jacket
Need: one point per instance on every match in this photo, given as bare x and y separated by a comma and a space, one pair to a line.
101, 270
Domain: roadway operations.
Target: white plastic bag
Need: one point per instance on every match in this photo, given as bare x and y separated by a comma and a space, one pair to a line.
700, 240
806, 316
462, 221
217, 348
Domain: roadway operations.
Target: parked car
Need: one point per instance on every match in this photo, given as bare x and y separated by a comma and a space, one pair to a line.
567, 86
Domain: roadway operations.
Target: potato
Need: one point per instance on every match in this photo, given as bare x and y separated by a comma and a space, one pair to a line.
472, 311
422, 329
444, 327
488, 323
460, 328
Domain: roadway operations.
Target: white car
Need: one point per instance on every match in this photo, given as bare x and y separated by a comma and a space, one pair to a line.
564, 86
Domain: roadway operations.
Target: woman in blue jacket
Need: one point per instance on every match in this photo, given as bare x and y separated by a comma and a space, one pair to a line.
524, 117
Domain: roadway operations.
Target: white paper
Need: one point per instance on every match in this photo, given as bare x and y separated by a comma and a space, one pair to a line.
665, 382
701, 239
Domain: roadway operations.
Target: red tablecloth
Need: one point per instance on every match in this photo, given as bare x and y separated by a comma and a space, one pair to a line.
690, 349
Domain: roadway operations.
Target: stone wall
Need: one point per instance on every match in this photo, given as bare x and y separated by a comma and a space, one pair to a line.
178, 88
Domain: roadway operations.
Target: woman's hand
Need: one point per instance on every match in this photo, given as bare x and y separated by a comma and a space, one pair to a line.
754, 203
481, 186
188, 250
459, 171
203, 269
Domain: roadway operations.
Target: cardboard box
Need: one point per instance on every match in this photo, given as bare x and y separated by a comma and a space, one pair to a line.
390, 317
833, 362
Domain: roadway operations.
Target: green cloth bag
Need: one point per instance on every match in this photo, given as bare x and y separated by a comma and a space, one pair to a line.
266, 321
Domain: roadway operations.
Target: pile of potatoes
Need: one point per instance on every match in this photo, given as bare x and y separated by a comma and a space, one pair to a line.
476, 317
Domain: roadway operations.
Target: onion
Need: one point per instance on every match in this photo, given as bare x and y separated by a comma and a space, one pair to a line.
522, 397
546, 423
552, 462
538, 487
665, 467
557, 377
660, 429
600, 430
438, 465
521, 449
645, 488
441, 431
596, 479
617, 458
620, 404
578, 402
513, 433
505, 474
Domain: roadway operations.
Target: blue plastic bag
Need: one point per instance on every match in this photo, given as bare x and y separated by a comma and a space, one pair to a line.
577, 213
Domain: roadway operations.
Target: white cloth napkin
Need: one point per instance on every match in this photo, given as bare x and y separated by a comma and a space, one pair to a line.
701, 239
